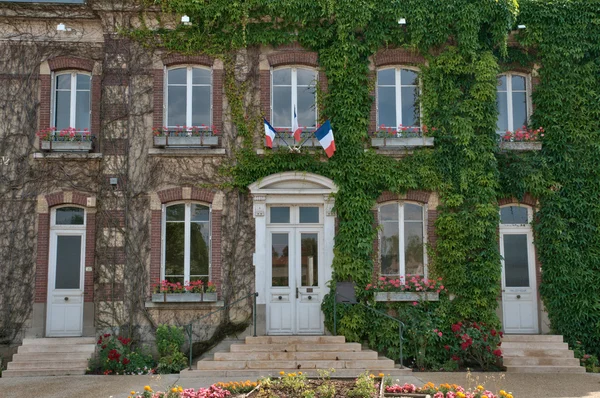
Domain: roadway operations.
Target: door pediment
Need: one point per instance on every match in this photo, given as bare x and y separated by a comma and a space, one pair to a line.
293, 182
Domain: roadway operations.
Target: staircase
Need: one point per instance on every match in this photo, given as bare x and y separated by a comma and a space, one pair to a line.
51, 357
268, 355
538, 354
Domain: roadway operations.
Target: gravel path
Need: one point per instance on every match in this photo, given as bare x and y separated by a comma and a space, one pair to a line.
521, 385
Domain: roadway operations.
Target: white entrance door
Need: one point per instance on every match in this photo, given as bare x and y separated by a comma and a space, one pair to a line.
519, 293
296, 281
66, 279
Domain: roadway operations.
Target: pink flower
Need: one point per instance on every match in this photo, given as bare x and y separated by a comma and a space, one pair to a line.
415, 303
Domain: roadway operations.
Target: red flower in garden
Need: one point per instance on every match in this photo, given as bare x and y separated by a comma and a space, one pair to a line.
493, 332
455, 327
126, 361
497, 352
447, 347
455, 358
114, 355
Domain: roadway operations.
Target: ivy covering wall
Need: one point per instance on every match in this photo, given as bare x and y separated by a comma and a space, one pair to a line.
465, 45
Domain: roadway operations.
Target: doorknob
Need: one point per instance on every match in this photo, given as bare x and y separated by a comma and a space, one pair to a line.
280, 298
296, 292
310, 297
518, 296
66, 299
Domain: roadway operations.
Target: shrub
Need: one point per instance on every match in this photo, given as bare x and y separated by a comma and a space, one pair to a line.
364, 387
476, 344
590, 362
169, 340
116, 356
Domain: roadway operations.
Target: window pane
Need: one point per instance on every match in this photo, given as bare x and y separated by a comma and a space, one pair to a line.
63, 109
200, 212
201, 105
386, 77
280, 260
280, 215
513, 215
83, 82
408, 77
519, 110
518, 83
413, 212
174, 248
409, 97
200, 76
177, 76
386, 105
306, 77
389, 212
82, 110
516, 264
389, 249
502, 124
176, 212
69, 216
413, 248
177, 106
68, 262
282, 106
306, 107
282, 77
199, 249
309, 262
309, 215
502, 83
63, 82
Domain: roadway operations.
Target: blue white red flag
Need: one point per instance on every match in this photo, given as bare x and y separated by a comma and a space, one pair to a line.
325, 136
297, 130
269, 134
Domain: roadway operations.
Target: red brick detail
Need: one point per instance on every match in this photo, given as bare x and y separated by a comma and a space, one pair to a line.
265, 93
218, 76
54, 199
176, 59
170, 195
413, 196
90, 250
41, 269
112, 218
203, 195
45, 93
282, 58
397, 56
527, 200
80, 199
96, 96
155, 246
158, 93
62, 63
373, 114
216, 266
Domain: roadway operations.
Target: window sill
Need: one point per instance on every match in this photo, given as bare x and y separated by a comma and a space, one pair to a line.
173, 152
407, 296
66, 155
185, 305
401, 142
521, 146
186, 142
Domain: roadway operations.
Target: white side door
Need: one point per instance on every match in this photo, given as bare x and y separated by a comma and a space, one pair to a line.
519, 293
310, 283
65, 283
280, 281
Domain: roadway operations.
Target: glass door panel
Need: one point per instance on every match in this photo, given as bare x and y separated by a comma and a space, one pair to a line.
310, 259
516, 260
280, 260
68, 262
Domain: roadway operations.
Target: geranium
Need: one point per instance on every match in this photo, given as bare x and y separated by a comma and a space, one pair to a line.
410, 283
445, 390
475, 343
197, 286
66, 134
384, 131
523, 134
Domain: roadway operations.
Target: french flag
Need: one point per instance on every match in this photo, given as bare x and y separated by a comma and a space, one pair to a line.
325, 136
297, 130
269, 134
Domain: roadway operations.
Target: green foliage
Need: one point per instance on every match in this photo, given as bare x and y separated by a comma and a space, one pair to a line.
169, 340
364, 387
117, 356
464, 42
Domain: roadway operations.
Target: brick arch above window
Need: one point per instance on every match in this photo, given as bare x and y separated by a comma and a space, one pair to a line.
283, 58
71, 197
63, 63
412, 196
175, 194
527, 199
177, 59
397, 56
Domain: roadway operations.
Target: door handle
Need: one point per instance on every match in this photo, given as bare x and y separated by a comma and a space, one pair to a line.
297, 292
66, 299
280, 298
518, 296
310, 297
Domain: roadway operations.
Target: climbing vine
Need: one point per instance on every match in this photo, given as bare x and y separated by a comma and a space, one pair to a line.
465, 43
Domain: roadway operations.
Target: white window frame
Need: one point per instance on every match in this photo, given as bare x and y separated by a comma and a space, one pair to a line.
526, 226
509, 104
187, 236
188, 93
73, 90
294, 85
401, 254
398, 88
67, 226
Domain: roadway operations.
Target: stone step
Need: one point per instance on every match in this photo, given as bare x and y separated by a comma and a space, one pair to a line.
535, 345
52, 356
60, 341
43, 372
532, 337
545, 369
296, 340
297, 355
294, 347
541, 353
35, 365
532, 361
296, 365
56, 348
254, 373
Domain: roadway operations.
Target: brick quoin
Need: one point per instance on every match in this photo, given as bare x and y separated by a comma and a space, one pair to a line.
45, 87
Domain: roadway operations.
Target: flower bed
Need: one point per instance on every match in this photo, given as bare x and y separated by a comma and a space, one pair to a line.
442, 391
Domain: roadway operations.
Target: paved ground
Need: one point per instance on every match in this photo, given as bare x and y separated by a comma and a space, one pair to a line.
521, 385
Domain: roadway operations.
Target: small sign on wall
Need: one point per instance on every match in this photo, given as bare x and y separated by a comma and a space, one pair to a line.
88, 269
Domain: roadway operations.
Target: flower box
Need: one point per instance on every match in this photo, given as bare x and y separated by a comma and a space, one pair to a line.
401, 142
177, 297
407, 296
66, 146
185, 141
521, 145
209, 297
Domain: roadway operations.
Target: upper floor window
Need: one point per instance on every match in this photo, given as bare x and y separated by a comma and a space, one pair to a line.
188, 98
68, 216
514, 215
294, 90
186, 243
397, 93
512, 101
72, 101
402, 240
